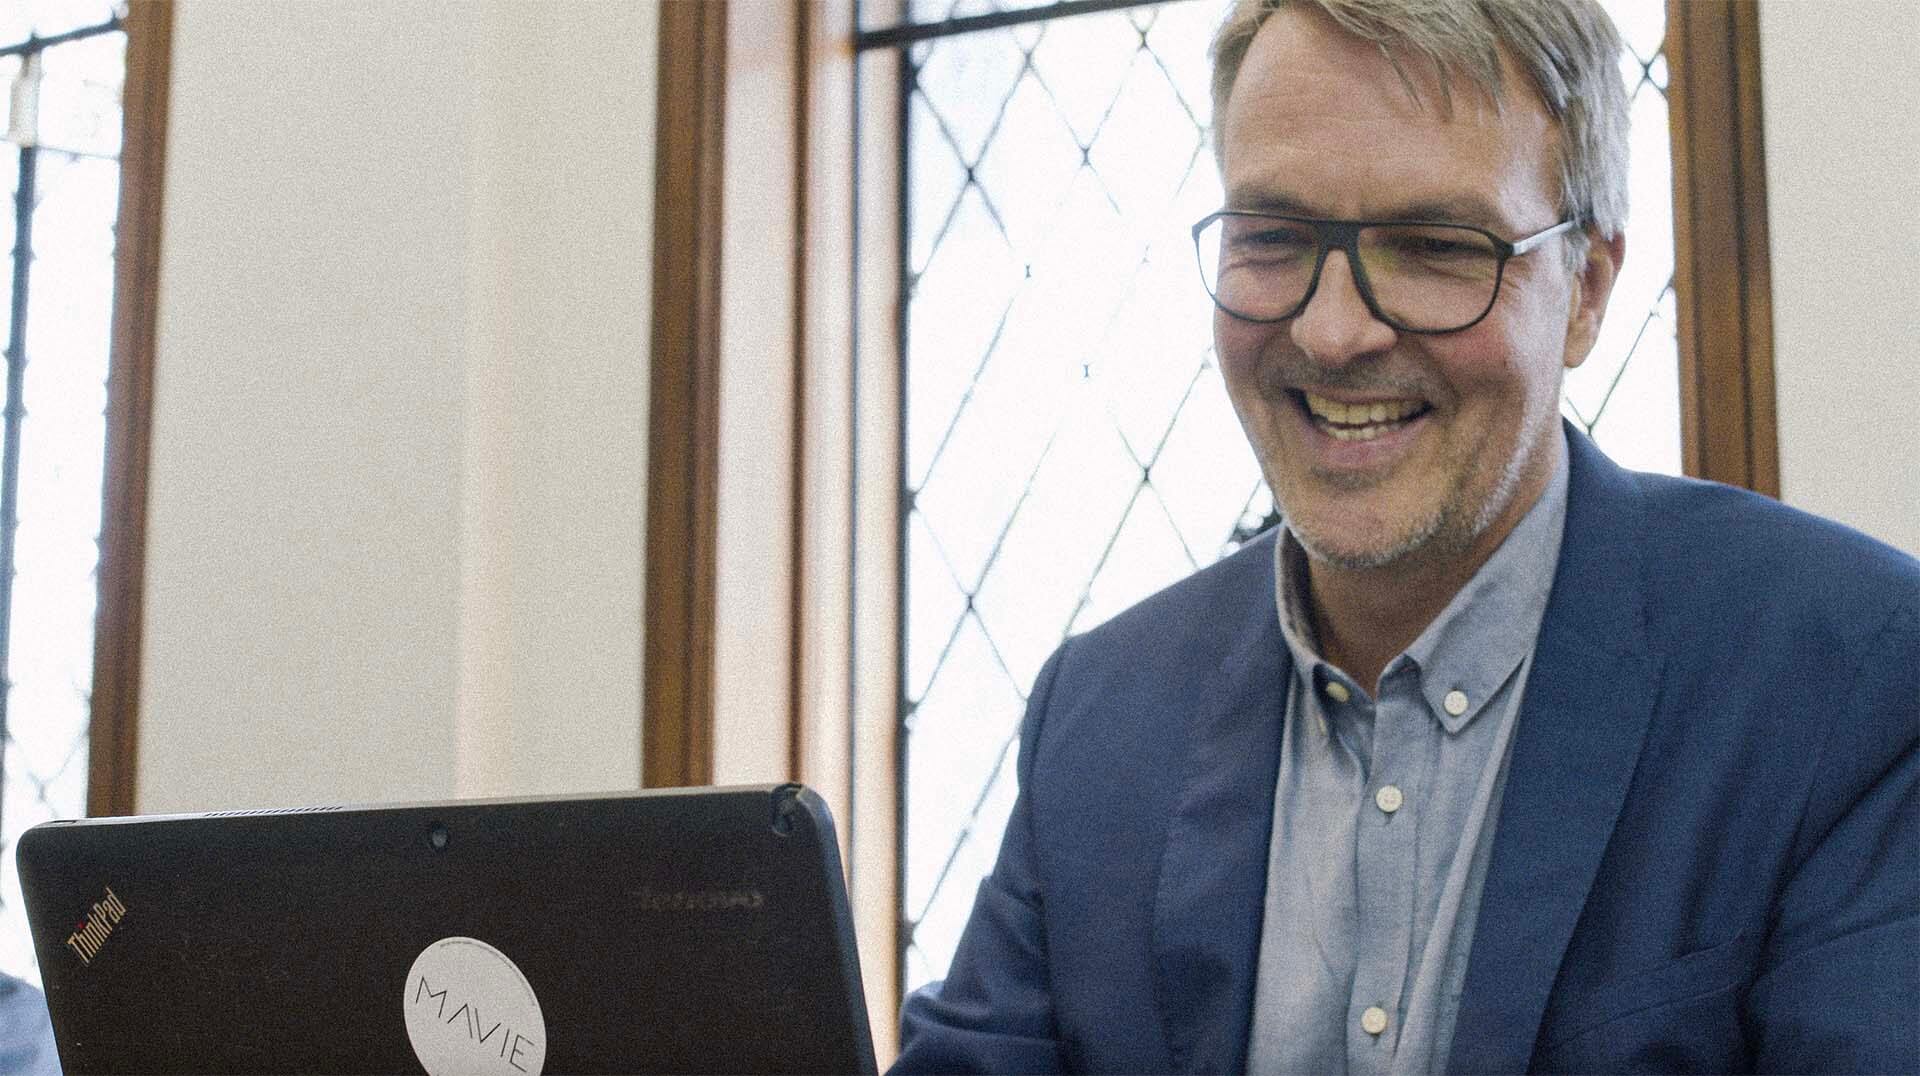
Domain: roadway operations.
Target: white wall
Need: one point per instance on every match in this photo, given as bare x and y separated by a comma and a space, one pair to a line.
557, 398
753, 539
1842, 127
398, 460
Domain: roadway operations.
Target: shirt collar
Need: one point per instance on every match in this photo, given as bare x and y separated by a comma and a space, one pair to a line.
1476, 642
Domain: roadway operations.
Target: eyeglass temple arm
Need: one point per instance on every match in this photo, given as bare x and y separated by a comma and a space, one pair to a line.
1537, 238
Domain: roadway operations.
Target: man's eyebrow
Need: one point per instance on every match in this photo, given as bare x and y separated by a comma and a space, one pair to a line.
1465, 209
1254, 201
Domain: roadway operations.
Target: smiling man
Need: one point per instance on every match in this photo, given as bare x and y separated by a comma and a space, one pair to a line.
1493, 757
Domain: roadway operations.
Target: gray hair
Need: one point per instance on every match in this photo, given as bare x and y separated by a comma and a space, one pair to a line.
1568, 50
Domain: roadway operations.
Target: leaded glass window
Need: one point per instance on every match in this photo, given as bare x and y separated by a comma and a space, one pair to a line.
64, 62
1069, 447
1627, 393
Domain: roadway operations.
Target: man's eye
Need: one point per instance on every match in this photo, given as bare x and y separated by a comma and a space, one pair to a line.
1434, 247
1272, 239
1429, 247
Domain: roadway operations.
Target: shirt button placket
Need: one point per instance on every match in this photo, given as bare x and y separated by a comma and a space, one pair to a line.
1384, 880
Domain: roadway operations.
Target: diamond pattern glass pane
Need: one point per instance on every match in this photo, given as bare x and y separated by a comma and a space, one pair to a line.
1070, 447
62, 435
1627, 393
80, 95
1057, 354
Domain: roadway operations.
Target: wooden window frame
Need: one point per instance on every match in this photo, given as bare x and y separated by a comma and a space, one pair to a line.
837, 726
683, 423
113, 749
1722, 272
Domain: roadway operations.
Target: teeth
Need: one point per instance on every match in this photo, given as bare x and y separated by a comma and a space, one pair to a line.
1360, 415
1356, 433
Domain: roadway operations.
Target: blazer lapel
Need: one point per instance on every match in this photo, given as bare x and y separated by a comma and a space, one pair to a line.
1213, 872
1582, 722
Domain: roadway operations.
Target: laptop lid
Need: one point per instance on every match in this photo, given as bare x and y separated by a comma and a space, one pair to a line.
681, 930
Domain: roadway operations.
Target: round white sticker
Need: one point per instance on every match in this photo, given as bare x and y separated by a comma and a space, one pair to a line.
470, 1011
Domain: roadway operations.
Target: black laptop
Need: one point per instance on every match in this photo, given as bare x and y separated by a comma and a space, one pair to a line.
685, 930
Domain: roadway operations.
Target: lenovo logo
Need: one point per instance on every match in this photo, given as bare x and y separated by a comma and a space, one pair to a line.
92, 932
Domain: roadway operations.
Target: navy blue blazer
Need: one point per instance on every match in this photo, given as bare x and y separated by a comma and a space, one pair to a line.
1708, 854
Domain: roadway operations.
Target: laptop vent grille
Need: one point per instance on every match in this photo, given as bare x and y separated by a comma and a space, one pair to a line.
270, 811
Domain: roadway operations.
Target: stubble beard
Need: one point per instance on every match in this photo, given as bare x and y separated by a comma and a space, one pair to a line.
1455, 523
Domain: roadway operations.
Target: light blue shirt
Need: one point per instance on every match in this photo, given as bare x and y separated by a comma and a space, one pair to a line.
1384, 812
26, 1038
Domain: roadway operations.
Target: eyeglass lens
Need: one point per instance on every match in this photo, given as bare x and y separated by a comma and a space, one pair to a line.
1423, 277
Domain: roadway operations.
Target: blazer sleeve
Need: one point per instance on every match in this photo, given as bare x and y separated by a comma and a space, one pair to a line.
994, 1012
1841, 969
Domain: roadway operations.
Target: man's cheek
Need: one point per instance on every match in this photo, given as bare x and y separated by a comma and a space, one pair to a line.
1238, 339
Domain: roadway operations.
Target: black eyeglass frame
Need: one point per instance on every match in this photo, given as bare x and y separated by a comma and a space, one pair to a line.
1344, 235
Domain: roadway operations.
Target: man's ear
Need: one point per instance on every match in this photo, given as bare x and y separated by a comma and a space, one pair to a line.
1591, 288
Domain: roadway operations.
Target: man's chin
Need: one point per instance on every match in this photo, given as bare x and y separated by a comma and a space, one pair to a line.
1379, 547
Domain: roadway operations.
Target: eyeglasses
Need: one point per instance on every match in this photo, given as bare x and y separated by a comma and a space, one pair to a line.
1417, 276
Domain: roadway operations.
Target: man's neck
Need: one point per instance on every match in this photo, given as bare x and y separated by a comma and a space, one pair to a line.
1363, 619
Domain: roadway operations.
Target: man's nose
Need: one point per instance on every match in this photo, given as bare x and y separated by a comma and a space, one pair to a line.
1336, 326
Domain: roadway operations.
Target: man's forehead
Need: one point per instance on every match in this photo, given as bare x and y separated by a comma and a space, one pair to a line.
1302, 55
1310, 95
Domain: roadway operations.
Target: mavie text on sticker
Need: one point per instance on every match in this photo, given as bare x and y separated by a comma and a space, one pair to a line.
510, 1043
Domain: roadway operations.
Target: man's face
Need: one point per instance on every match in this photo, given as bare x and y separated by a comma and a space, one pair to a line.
1320, 125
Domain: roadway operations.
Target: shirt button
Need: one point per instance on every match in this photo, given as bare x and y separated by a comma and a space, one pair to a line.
1337, 691
1374, 1020
1455, 702
1388, 799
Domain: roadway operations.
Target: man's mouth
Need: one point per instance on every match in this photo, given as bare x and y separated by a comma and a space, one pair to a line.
1359, 421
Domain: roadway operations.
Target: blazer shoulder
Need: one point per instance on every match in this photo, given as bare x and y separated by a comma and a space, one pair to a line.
1198, 619
1716, 547
1118, 683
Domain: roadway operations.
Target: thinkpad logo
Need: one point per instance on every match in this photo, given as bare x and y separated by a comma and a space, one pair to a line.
92, 932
